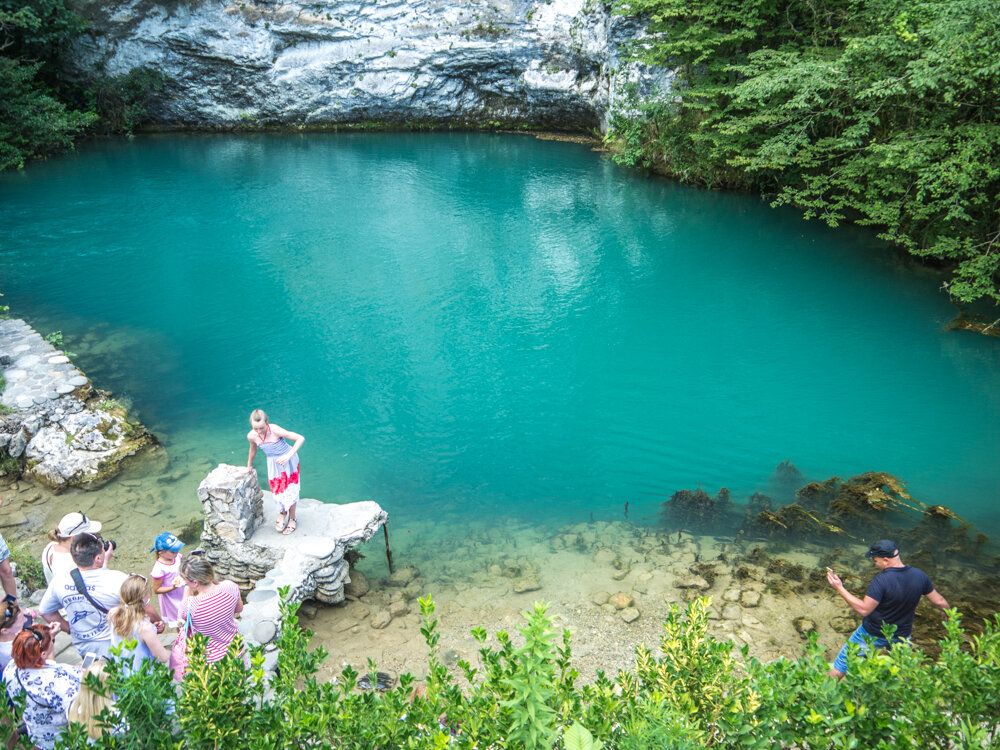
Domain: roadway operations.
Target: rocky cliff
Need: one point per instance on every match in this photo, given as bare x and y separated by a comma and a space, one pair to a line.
553, 63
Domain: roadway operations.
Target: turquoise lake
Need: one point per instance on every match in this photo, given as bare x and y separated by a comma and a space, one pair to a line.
493, 324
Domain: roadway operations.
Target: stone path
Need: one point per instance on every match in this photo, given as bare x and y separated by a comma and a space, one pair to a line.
35, 371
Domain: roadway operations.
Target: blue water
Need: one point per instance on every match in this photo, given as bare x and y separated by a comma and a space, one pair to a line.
494, 324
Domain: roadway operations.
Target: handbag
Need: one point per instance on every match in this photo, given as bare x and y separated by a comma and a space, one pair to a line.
178, 654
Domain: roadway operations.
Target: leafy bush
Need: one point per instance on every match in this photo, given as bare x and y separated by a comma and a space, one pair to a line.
881, 113
121, 101
29, 566
699, 693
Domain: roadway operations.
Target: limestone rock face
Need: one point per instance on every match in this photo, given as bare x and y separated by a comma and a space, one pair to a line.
545, 63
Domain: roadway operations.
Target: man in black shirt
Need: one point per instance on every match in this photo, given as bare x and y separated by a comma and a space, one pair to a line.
891, 599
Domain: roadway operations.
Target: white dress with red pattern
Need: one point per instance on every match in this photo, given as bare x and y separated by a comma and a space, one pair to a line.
284, 480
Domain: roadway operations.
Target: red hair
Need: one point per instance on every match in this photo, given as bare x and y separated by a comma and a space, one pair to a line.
29, 647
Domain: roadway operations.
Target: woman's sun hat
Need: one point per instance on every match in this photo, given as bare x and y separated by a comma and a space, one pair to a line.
76, 523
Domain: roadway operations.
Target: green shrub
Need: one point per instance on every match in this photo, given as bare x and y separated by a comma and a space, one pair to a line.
121, 101
699, 693
29, 566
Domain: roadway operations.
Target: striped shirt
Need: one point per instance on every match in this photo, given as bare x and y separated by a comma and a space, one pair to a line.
214, 616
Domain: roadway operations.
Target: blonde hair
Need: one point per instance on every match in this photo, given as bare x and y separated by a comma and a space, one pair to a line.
196, 568
258, 415
87, 705
126, 616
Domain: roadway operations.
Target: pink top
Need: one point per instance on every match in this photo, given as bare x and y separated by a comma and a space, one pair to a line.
214, 616
165, 574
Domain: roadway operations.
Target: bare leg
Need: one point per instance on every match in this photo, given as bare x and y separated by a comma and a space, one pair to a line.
7, 578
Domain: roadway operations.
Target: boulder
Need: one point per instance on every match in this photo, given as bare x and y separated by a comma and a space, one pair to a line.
629, 614
403, 576
358, 585
380, 619
621, 600
693, 582
803, 625
599, 597
749, 598
524, 585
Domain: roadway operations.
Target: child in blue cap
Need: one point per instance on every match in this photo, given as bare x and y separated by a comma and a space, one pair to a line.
167, 582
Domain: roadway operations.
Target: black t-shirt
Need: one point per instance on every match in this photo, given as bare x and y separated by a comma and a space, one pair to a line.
897, 591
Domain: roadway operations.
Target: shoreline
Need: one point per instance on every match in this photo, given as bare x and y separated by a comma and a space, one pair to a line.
765, 596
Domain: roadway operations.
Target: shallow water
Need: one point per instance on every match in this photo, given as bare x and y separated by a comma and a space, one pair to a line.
491, 324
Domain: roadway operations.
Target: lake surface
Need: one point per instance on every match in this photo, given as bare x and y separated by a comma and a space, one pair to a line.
494, 325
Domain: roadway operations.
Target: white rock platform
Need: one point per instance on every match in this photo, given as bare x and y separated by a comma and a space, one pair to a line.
240, 540
59, 430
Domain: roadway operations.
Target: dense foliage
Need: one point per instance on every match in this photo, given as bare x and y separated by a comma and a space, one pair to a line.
882, 112
41, 113
700, 692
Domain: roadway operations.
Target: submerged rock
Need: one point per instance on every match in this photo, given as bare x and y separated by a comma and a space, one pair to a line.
621, 600
629, 614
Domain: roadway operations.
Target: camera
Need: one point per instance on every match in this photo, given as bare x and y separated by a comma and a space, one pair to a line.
110, 544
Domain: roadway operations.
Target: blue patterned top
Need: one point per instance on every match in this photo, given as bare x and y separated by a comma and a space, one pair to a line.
50, 691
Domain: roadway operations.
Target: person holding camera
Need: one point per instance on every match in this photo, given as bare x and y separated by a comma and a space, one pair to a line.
87, 593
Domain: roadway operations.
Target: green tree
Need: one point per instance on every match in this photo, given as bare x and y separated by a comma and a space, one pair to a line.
882, 113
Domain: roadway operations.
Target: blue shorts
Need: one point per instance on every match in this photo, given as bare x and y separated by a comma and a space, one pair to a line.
863, 638
4, 551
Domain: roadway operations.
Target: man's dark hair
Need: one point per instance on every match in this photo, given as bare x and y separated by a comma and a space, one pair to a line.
85, 547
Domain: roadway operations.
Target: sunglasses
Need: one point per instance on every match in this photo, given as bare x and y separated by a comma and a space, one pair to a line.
80, 525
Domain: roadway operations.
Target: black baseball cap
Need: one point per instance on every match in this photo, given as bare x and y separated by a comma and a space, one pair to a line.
882, 548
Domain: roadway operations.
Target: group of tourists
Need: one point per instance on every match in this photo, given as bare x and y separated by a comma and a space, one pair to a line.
109, 615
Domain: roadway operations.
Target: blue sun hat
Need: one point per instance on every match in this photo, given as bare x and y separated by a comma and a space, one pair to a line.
167, 541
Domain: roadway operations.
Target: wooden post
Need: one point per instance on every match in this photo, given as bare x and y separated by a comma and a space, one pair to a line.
388, 550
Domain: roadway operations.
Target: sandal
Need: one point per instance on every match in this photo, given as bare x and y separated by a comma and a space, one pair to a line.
279, 525
290, 527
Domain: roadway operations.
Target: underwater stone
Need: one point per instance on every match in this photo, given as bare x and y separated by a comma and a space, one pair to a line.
629, 614
605, 556
693, 582
804, 625
380, 619
358, 585
599, 597
402, 576
750, 598
524, 585
621, 600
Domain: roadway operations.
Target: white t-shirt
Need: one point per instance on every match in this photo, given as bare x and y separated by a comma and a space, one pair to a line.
88, 626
